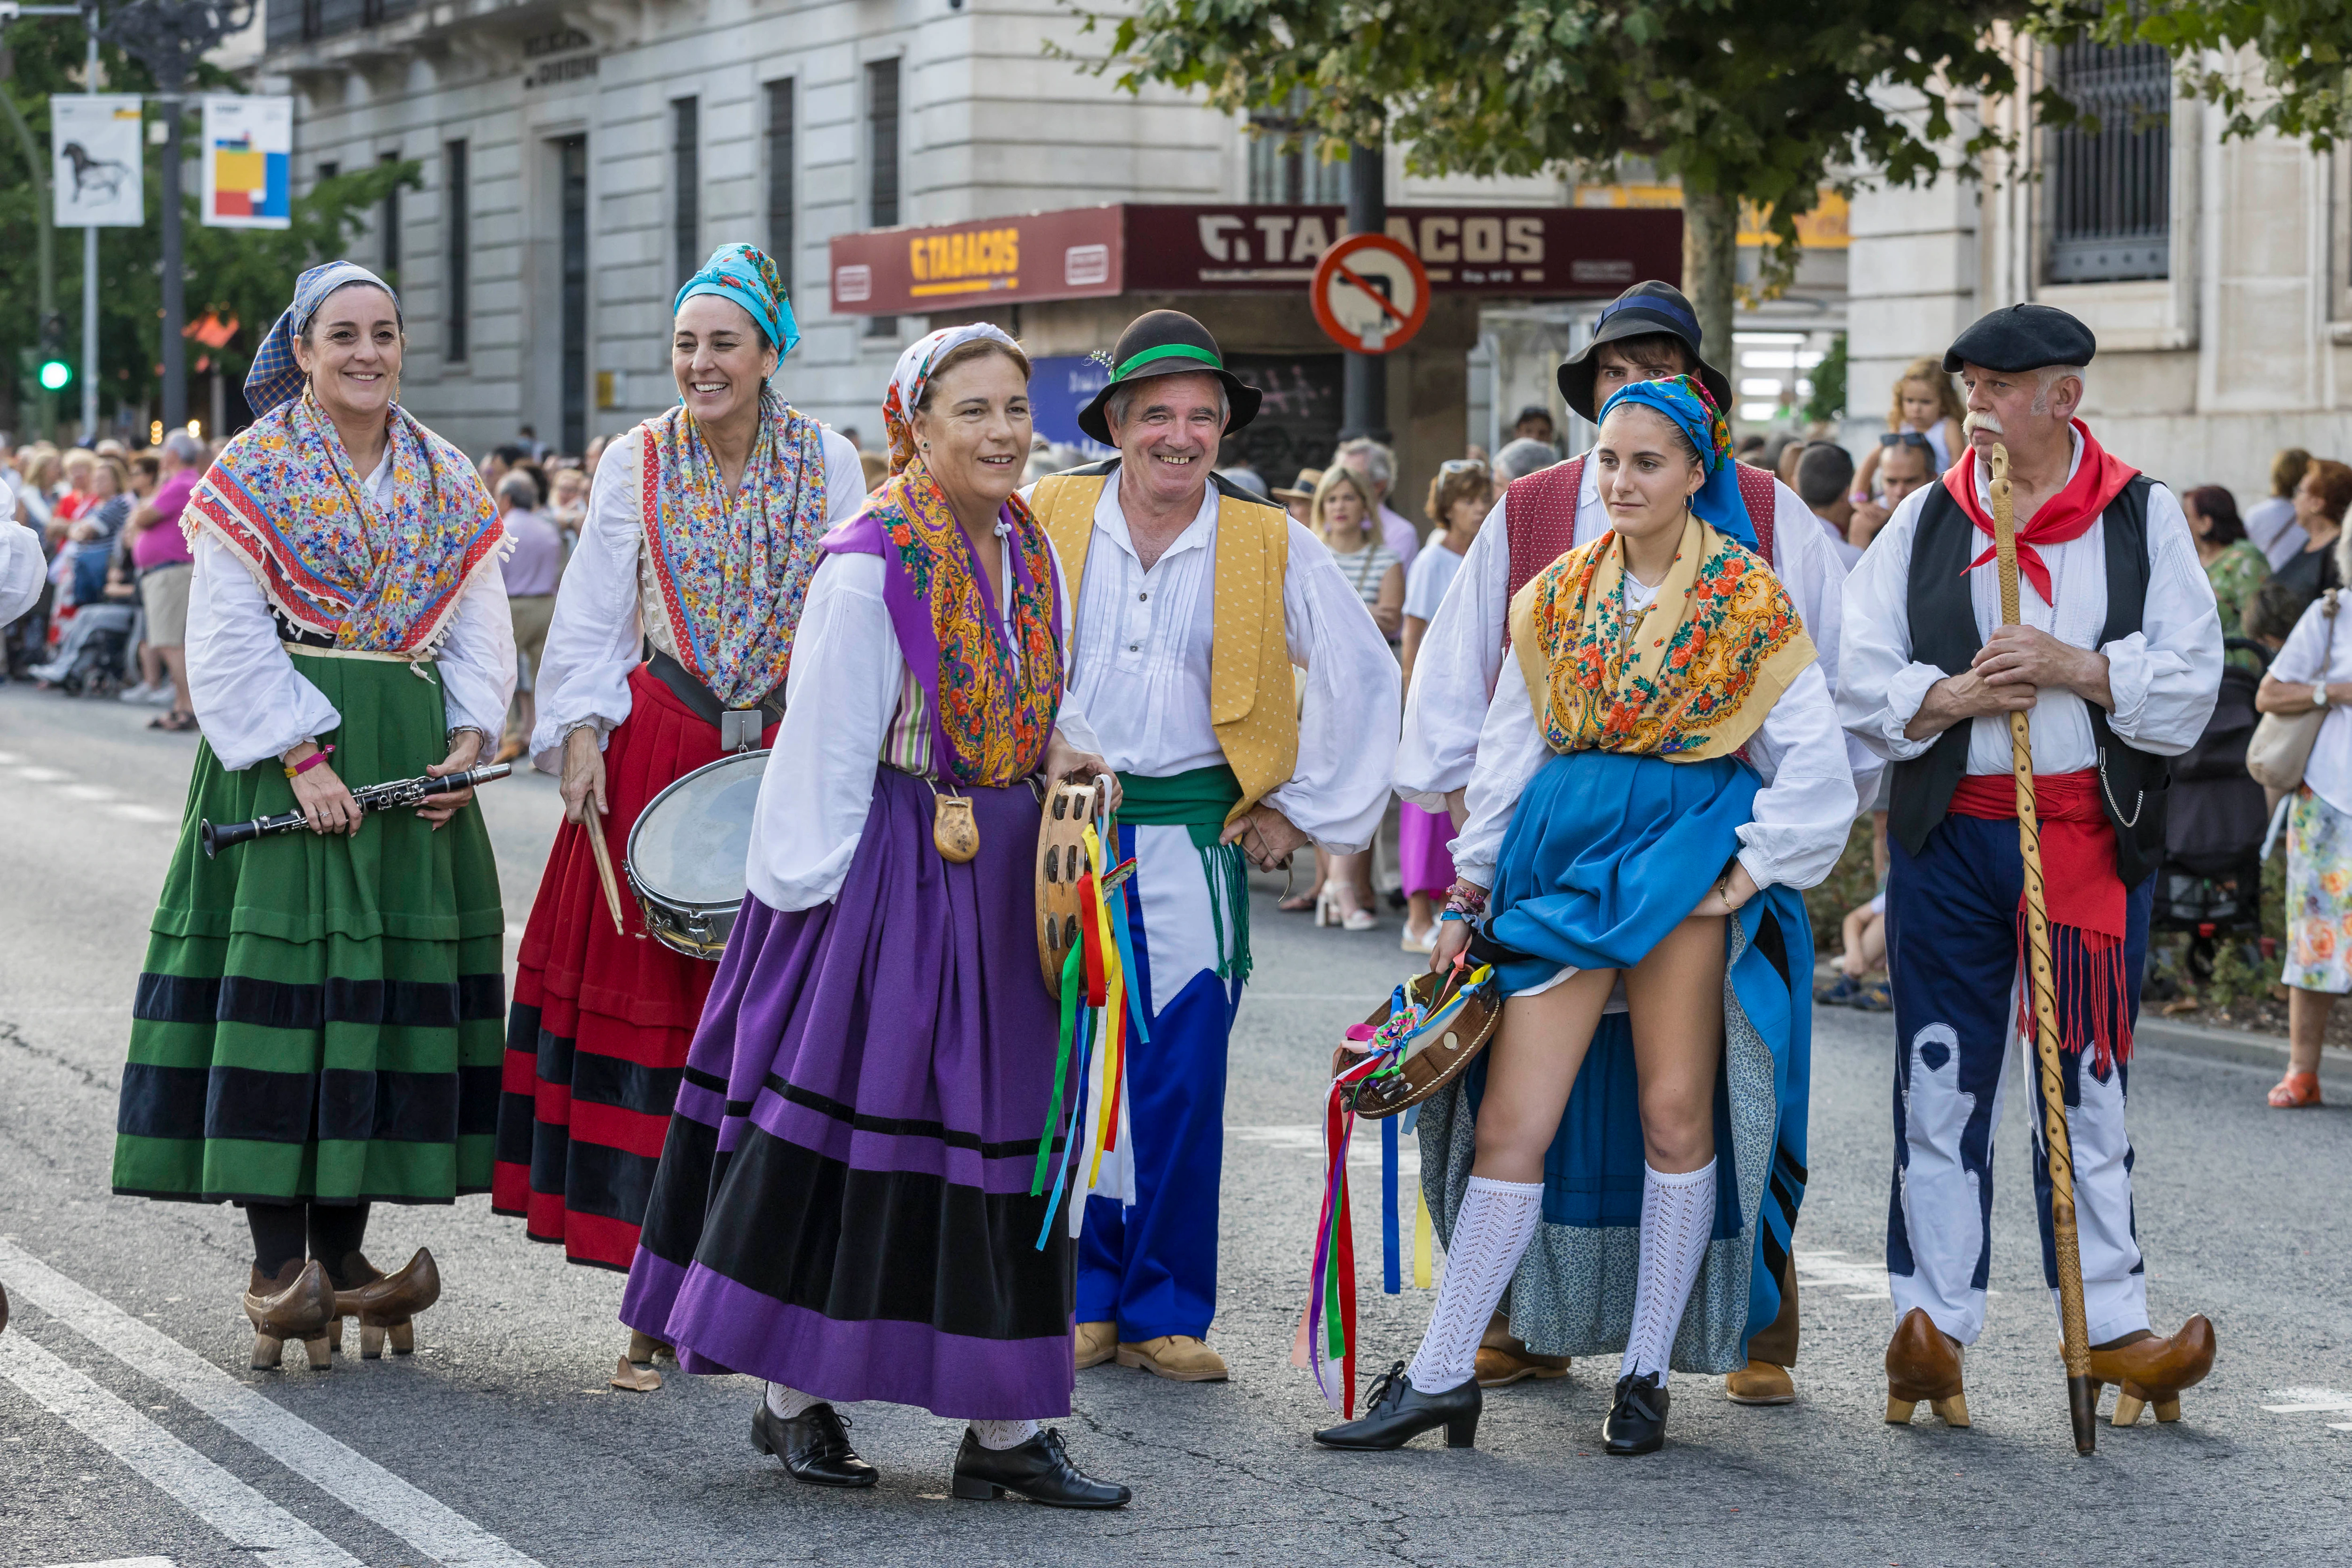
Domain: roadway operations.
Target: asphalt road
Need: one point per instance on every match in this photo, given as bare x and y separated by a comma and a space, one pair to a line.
130, 1428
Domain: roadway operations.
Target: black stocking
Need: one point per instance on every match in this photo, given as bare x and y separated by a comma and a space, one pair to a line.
336, 1232
276, 1236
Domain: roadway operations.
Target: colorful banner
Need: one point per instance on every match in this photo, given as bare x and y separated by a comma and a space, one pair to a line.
248, 157
96, 172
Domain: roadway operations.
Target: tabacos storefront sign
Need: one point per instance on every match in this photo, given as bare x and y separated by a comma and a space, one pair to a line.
1094, 252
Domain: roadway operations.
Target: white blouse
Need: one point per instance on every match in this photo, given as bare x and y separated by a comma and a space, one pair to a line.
2309, 650
21, 569
2164, 677
1801, 816
606, 607
1461, 657
1139, 670
251, 697
846, 676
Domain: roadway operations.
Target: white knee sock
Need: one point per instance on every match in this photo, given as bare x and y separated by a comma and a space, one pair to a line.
787, 1402
1677, 1218
1497, 1222
1002, 1433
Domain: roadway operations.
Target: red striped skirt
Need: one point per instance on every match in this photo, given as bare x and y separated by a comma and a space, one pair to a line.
597, 1036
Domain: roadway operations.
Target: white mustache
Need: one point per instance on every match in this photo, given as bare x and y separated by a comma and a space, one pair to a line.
1989, 423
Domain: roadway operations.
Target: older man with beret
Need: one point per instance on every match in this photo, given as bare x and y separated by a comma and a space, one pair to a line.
2116, 664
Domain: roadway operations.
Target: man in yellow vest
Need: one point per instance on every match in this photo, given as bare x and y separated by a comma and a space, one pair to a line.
1192, 601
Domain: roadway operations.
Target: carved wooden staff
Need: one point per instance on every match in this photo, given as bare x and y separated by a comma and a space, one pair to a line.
2082, 1394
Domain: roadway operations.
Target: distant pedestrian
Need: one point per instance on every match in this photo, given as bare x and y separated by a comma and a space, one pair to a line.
2314, 669
1535, 424
1459, 500
1520, 458
2270, 521
1824, 477
160, 551
1300, 498
531, 571
1926, 404
1905, 462
2232, 565
1377, 463
2320, 497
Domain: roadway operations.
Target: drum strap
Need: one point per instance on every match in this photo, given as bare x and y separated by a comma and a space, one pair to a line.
734, 733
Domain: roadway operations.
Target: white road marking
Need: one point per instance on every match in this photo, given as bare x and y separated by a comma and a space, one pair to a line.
2301, 1401
93, 792
10, 758
353, 1479
225, 1503
1363, 1149
1834, 1270
130, 813
44, 775
119, 1562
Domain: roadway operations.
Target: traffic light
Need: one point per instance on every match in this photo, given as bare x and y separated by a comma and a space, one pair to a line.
53, 372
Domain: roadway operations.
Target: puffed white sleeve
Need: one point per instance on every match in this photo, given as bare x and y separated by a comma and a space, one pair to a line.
1880, 686
1803, 815
477, 661
845, 478
1455, 671
1348, 714
20, 567
1511, 749
250, 701
595, 637
1814, 570
819, 783
2165, 677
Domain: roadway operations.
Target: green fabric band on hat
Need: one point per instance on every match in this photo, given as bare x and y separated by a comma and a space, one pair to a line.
1169, 350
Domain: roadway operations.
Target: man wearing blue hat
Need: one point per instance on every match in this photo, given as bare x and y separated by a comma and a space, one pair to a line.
1647, 333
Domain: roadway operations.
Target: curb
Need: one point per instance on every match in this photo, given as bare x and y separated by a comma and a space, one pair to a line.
2237, 1045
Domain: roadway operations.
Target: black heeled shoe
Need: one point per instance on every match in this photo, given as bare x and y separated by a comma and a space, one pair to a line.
1039, 1470
1398, 1413
814, 1446
1637, 1422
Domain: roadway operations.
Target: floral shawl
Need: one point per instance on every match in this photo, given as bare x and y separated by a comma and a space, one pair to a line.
734, 570
1697, 674
286, 500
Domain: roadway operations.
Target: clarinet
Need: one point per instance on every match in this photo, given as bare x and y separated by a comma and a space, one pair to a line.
385, 797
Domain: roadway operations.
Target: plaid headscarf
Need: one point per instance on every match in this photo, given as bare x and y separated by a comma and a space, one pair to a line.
276, 379
1682, 399
745, 275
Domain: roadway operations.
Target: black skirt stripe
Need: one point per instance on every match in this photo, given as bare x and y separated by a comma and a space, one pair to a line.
275, 1004
598, 1179
894, 1126
335, 1104
691, 1170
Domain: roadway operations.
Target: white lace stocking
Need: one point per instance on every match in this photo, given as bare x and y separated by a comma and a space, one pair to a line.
1497, 1222
1677, 1219
1002, 1433
785, 1402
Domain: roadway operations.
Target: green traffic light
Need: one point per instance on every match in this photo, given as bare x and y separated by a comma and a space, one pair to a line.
54, 373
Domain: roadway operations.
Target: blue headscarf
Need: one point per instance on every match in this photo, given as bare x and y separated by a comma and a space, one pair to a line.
744, 274
275, 377
1683, 400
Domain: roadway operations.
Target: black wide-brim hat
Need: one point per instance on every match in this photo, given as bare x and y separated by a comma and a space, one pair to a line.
1167, 343
1640, 311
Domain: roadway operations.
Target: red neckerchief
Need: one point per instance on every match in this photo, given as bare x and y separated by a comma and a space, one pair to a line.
2098, 479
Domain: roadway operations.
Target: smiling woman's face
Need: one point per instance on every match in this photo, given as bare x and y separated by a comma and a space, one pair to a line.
973, 428
350, 351
721, 357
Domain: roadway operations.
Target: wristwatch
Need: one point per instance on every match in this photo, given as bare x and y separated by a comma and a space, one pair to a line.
2319, 694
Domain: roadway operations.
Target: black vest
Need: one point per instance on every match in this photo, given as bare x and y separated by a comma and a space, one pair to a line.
1944, 634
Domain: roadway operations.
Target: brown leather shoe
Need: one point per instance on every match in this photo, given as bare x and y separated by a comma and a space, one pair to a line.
1179, 1358
1924, 1362
1095, 1343
296, 1305
635, 1372
387, 1304
2151, 1371
1761, 1383
1503, 1358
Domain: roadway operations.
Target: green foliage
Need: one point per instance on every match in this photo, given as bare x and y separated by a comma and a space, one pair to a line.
1827, 404
2298, 87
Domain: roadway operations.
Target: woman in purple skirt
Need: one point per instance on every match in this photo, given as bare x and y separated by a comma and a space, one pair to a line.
843, 1205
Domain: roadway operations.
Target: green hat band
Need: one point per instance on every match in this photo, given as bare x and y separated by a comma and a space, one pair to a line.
1169, 350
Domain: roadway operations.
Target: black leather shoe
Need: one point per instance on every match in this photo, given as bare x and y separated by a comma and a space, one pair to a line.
814, 1446
1637, 1422
1398, 1413
1039, 1470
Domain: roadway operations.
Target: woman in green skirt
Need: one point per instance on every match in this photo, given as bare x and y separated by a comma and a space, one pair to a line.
320, 1021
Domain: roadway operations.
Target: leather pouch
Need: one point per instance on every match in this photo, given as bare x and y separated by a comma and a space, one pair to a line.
954, 832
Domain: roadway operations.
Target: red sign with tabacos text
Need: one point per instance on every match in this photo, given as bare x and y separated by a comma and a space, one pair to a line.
1537, 253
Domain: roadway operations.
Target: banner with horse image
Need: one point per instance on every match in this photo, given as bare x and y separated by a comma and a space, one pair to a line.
96, 172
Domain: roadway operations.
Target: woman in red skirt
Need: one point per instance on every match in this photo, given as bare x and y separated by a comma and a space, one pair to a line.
681, 601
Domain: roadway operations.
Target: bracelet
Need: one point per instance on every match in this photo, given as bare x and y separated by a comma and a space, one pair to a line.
1450, 914
1464, 898
312, 761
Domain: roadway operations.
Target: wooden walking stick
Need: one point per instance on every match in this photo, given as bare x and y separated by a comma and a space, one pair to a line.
2082, 1394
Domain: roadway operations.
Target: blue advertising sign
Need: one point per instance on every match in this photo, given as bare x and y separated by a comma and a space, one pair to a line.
1059, 385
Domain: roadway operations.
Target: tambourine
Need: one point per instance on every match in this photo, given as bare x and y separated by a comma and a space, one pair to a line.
1434, 1056
1061, 862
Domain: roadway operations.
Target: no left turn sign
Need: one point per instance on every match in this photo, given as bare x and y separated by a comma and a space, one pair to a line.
1369, 293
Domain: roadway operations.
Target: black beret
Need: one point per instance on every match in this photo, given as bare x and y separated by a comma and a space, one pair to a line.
2023, 337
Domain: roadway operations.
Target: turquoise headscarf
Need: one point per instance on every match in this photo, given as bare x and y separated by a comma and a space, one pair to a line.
1683, 400
744, 274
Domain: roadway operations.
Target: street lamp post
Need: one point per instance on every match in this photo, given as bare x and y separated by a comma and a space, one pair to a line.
168, 36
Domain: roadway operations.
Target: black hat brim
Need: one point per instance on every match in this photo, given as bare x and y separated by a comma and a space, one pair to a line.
1242, 400
1579, 373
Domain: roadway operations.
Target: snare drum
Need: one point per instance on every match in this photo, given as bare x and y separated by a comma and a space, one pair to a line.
687, 852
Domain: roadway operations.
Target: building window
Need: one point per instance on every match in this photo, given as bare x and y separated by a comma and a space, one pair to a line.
314, 20
1292, 175
390, 220
779, 177
882, 164
454, 227
330, 170
686, 186
2111, 190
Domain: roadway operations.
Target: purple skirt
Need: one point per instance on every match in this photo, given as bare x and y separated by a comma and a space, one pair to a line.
1422, 838
843, 1202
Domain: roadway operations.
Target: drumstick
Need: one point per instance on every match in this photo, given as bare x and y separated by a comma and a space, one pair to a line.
595, 830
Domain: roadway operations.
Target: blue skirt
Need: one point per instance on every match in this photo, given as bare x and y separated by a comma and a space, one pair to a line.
1606, 855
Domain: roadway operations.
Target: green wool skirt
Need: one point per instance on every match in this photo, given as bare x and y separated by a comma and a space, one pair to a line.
322, 1018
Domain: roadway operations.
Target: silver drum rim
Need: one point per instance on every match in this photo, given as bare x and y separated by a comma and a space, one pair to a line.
675, 923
